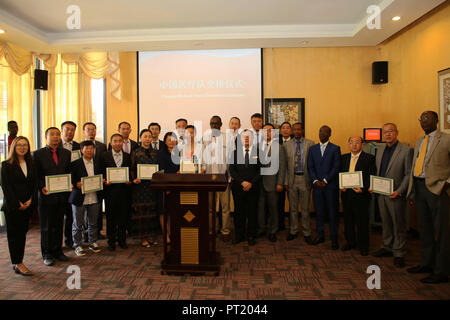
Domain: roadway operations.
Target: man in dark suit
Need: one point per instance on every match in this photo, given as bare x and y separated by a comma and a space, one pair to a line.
90, 132
128, 145
429, 186
245, 172
155, 130
51, 160
117, 195
68, 129
85, 205
324, 161
285, 136
356, 200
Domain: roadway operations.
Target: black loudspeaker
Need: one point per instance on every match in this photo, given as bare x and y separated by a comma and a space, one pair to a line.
40, 79
380, 72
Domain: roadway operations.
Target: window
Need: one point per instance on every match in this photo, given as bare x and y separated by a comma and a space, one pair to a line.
98, 107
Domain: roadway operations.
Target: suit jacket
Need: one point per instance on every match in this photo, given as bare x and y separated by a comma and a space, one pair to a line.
100, 148
78, 171
399, 167
240, 172
134, 146
366, 164
75, 145
287, 162
326, 167
116, 189
18, 188
437, 164
46, 166
269, 181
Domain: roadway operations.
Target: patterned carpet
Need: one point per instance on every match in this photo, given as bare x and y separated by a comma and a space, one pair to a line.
281, 270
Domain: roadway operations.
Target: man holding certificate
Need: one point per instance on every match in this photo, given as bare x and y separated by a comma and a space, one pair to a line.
86, 197
393, 162
116, 164
356, 199
53, 172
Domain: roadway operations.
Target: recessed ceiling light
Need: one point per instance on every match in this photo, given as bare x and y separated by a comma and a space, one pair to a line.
396, 18
2, 31
304, 42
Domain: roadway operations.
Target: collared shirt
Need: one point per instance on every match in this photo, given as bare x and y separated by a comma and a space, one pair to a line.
323, 147
90, 197
126, 146
249, 153
430, 141
67, 145
299, 167
218, 161
286, 139
386, 158
118, 157
23, 166
155, 145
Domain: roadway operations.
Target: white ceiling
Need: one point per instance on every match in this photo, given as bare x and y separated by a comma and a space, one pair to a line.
129, 25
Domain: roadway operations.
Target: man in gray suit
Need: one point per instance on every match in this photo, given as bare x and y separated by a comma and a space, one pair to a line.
394, 161
429, 186
294, 175
268, 197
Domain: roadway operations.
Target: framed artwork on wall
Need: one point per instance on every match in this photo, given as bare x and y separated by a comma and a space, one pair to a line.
277, 111
444, 100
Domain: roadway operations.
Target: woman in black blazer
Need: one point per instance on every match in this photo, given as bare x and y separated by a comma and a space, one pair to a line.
19, 184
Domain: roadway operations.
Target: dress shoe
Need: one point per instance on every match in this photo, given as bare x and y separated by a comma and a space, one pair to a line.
49, 262
111, 247
347, 247
364, 252
291, 236
382, 253
251, 241
334, 245
420, 269
399, 262
23, 271
317, 241
62, 257
85, 238
123, 245
433, 279
272, 237
308, 240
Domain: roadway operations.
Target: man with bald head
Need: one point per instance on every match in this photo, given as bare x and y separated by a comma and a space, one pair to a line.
429, 186
324, 160
394, 162
356, 200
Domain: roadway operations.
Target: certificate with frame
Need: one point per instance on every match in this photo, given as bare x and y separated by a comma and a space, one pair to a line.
76, 154
92, 183
348, 180
382, 185
146, 171
187, 166
58, 183
117, 175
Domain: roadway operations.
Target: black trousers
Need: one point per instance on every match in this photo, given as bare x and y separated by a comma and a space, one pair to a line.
117, 212
17, 223
51, 219
433, 212
281, 213
356, 214
68, 225
245, 208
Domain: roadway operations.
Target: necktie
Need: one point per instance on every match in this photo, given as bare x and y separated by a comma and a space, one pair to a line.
298, 167
247, 158
55, 156
421, 158
353, 164
117, 159
154, 145
322, 149
126, 148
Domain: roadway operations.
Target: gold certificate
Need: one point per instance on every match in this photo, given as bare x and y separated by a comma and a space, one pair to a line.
187, 166
381, 185
58, 183
349, 180
146, 171
117, 175
91, 184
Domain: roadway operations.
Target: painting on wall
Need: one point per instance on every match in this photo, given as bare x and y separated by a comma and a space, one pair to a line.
277, 111
444, 99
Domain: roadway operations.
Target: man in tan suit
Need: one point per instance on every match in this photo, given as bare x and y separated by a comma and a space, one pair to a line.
428, 186
294, 174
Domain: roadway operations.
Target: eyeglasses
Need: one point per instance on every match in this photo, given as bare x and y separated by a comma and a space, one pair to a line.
22, 145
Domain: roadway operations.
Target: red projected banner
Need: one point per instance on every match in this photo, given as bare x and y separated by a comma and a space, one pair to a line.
372, 134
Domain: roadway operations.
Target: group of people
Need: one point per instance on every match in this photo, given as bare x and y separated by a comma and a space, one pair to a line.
262, 167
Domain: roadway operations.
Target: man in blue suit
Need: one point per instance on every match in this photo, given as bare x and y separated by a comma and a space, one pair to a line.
324, 160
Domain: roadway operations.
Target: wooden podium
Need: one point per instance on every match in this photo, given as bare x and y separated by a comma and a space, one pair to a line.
192, 217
